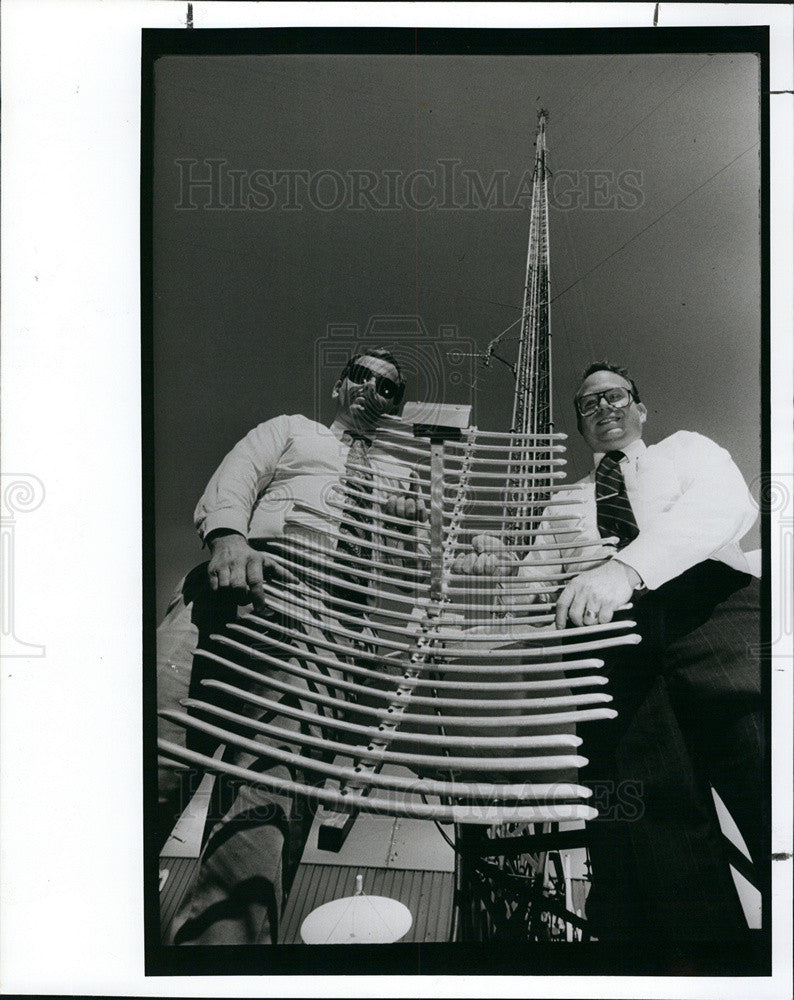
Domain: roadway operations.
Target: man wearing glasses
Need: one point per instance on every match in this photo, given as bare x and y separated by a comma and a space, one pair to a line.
688, 696
293, 459
275, 483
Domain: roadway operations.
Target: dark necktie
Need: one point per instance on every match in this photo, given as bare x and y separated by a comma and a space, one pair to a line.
357, 519
615, 516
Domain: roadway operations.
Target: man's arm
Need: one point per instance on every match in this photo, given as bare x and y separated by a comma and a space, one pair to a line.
233, 563
609, 585
224, 511
714, 509
594, 596
240, 479
489, 556
411, 507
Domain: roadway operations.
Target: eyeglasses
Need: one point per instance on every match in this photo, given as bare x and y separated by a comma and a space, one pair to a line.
618, 397
384, 386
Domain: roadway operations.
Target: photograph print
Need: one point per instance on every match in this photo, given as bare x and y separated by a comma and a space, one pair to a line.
456, 437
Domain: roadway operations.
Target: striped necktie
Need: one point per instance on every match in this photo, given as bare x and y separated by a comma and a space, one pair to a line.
357, 519
615, 516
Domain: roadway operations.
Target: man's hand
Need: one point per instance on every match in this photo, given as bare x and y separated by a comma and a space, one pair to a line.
236, 565
409, 508
595, 595
489, 557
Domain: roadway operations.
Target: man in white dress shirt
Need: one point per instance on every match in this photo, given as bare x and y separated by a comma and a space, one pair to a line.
688, 696
275, 483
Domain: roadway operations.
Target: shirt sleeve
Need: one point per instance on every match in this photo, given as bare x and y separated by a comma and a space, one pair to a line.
233, 490
714, 509
544, 561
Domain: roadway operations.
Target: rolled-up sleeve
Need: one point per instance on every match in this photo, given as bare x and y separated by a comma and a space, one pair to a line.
240, 479
714, 509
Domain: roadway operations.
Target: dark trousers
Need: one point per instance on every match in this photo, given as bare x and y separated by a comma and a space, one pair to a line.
257, 837
689, 716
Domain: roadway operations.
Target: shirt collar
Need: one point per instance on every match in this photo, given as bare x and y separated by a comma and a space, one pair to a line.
632, 452
338, 429
346, 436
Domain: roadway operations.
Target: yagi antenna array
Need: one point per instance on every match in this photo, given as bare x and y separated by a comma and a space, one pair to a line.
381, 681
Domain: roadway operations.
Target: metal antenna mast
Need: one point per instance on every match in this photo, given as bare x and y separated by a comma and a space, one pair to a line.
532, 412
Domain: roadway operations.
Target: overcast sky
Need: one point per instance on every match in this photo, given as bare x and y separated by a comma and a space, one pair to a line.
654, 241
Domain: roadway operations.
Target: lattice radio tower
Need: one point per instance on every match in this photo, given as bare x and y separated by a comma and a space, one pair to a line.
512, 894
532, 413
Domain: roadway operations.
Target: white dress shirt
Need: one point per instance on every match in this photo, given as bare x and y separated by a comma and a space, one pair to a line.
283, 478
690, 503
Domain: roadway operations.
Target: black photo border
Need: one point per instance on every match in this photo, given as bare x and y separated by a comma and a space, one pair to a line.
696, 959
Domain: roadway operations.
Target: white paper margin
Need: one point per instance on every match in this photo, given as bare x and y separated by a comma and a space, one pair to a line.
71, 850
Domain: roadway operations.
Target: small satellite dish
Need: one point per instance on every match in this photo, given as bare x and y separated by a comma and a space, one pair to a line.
357, 919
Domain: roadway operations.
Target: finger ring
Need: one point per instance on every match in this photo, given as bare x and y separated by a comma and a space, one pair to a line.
589, 615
